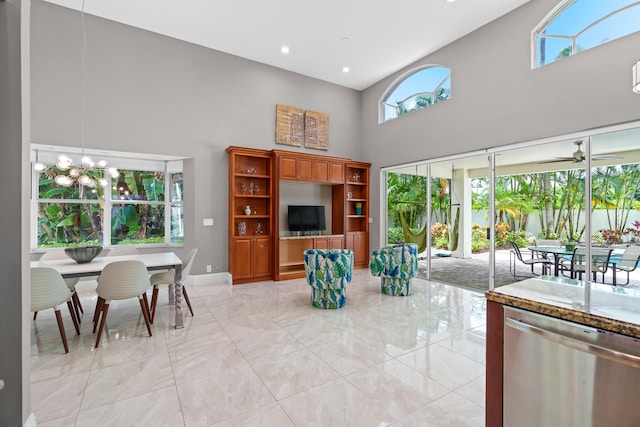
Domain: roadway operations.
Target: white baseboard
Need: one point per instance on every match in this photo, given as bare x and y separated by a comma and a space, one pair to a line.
210, 278
31, 421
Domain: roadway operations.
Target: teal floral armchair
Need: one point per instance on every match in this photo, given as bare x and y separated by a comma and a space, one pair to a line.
396, 265
328, 272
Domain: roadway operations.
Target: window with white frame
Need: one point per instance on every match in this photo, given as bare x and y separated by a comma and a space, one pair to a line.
577, 25
420, 89
142, 206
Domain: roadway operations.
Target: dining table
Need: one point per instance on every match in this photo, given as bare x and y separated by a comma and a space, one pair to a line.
157, 261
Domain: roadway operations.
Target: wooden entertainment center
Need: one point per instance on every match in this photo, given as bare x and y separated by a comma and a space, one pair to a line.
257, 250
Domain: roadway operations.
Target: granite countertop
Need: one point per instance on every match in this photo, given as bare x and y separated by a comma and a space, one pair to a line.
314, 236
606, 307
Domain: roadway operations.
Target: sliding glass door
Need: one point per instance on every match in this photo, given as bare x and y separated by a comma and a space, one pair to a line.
484, 220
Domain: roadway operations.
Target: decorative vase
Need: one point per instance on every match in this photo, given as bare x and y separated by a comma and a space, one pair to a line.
242, 228
358, 208
247, 210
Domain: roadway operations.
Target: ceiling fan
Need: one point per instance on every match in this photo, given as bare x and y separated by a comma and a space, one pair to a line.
578, 156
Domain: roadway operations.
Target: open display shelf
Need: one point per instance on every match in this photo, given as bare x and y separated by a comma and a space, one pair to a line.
250, 214
257, 251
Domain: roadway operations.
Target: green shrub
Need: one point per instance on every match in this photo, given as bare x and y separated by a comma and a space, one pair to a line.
395, 235
519, 238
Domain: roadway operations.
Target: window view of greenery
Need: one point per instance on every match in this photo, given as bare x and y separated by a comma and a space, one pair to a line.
550, 202
419, 90
136, 204
583, 24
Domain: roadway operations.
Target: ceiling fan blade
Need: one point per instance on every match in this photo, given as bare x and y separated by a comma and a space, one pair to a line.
559, 160
606, 156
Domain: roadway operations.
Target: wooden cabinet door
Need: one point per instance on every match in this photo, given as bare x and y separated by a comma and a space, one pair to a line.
321, 169
336, 243
336, 173
361, 253
321, 243
304, 169
288, 168
242, 259
262, 256
359, 244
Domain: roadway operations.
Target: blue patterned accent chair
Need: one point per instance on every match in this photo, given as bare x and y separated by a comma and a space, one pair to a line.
328, 272
396, 265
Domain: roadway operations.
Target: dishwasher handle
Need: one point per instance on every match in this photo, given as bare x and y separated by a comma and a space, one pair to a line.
576, 344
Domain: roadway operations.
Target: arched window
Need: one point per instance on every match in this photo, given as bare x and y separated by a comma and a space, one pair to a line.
577, 25
419, 89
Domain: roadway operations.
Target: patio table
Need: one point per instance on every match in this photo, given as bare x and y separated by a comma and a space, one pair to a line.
557, 252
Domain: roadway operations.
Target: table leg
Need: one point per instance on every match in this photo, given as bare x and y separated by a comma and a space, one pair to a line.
178, 297
556, 264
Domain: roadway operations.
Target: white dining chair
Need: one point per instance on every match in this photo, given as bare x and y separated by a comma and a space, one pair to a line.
71, 282
48, 290
168, 278
121, 280
123, 250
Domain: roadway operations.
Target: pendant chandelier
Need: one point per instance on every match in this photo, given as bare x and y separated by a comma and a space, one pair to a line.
86, 173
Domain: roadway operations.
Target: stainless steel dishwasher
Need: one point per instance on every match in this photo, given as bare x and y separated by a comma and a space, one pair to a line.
558, 373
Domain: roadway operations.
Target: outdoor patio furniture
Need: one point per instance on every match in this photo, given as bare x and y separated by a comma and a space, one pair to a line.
576, 266
328, 272
543, 262
396, 265
628, 262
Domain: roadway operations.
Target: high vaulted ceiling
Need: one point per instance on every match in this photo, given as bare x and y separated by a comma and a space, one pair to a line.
374, 38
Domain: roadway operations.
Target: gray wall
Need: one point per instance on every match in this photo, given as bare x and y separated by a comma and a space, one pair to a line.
14, 296
152, 94
149, 93
497, 99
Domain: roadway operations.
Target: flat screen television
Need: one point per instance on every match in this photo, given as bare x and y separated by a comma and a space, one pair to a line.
306, 218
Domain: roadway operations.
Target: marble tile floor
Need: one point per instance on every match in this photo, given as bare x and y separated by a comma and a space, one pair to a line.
260, 355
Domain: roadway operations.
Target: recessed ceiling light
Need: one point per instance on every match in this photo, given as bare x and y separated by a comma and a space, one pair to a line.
345, 69
450, 1
284, 49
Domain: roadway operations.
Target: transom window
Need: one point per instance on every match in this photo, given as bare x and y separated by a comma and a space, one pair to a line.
577, 25
422, 88
142, 206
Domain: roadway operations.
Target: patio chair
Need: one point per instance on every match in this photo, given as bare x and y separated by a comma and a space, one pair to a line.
576, 266
628, 262
543, 262
552, 243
